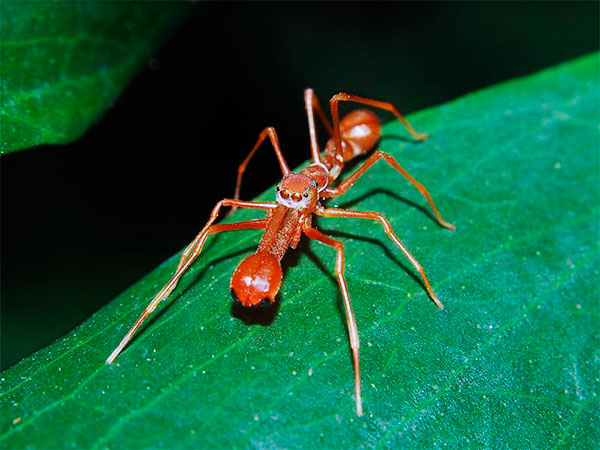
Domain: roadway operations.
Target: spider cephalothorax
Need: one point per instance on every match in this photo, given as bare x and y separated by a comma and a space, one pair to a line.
297, 191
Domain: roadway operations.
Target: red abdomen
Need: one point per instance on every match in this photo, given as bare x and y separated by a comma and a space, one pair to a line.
359, 130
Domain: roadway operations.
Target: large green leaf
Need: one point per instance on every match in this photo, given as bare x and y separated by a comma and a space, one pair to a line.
64, 63
512, 362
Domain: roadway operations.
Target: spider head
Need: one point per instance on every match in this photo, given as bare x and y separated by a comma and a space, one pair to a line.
297, 191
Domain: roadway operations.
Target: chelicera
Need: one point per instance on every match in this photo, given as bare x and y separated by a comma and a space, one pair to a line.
257, 279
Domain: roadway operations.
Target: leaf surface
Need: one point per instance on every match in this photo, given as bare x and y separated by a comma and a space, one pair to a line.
512, 362
64, 63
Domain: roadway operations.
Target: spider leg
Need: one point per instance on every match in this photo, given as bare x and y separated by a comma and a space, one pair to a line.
226, 202
315, 234
387, 106
190, 254
348, 182
339, 213
272, 134
312, 103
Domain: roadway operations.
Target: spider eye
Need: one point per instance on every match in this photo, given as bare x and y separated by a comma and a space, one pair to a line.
278, 188
305, 195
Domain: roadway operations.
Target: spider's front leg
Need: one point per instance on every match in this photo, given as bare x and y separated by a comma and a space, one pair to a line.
272, 135
190, 254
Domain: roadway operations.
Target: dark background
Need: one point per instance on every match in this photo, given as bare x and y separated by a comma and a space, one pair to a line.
82, 222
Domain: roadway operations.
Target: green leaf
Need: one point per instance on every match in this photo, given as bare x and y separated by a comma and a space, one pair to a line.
64, 63
512, 362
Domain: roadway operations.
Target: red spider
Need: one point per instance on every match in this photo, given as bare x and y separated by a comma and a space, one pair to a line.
258, 278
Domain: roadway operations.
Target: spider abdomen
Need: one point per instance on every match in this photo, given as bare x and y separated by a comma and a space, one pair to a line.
359, 130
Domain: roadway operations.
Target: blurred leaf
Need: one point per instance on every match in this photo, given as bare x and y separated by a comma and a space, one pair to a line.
511, 363
65, 63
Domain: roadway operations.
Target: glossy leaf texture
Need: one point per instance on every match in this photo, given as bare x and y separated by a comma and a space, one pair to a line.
65, 63
512, 362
